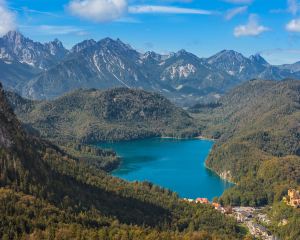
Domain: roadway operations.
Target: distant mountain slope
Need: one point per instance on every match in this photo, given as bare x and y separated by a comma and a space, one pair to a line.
259, 147
254, 67
45, 193
295, 67
94, 115
182, 77
15, 75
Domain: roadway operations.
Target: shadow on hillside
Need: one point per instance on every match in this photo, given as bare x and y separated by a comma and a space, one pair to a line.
126, 209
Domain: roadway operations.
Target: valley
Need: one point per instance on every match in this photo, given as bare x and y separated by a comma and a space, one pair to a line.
77, 125
48, 193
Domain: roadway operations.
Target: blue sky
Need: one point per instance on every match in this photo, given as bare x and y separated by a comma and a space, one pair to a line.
204, 27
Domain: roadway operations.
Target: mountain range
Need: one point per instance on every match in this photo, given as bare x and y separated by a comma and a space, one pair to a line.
45, 71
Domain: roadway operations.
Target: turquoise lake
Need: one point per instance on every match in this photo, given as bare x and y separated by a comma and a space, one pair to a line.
174, 164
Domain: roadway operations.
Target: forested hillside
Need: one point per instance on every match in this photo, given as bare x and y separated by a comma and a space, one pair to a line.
257, 126
259, 140
92, 115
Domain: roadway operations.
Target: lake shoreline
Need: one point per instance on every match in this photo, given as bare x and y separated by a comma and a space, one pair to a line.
171, 164
190, 138
220, 175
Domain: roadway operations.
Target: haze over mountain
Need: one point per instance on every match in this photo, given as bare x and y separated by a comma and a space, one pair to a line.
49, 70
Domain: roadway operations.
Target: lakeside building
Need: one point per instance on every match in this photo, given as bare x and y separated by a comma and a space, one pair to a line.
293, 198
216, 205
189, 200
243, 216
202, 200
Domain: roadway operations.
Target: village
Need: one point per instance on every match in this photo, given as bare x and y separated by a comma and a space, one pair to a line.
252, 217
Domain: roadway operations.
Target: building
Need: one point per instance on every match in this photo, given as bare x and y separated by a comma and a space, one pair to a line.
293, 198
243, 216
258, 230
202, 200
216, 205
228, 210
189, 200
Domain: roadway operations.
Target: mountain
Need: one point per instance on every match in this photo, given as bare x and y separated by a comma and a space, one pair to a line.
15, 47
295, 67
258, 60
258, 128
254, 67
93, 115
105, 64
48, 194
182, 77
111, 63
82, 45
184, 70
14, 75
237, 65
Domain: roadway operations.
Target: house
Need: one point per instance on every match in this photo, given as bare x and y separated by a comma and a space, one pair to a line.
258, 230
189, 200
216, 205
228, 210
293, 198
243, 216
202, 200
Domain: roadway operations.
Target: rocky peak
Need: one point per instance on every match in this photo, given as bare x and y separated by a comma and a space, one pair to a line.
228, 56
152, 55
14, 37
56, 48
258, 59
82, 45
114, 44
182, 52
15, 47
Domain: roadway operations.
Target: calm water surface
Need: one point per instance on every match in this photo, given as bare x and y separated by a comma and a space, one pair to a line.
174, 164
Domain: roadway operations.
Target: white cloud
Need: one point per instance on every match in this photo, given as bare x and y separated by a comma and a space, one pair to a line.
252, 28
293, 26
98, 10
166, 9
235, 11
293, 6
7, 19
239, 1
54, 29
61, 30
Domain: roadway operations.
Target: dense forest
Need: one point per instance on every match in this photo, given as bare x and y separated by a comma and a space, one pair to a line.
48, 194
